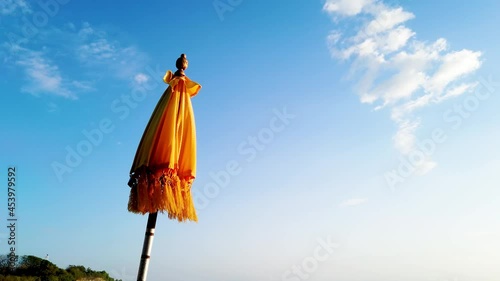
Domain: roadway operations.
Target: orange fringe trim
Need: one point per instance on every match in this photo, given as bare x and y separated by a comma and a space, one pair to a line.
159, 191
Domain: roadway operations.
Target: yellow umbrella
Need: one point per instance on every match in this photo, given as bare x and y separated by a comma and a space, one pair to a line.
164, 166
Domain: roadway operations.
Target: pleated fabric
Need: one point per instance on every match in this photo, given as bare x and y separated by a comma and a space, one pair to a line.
164, 166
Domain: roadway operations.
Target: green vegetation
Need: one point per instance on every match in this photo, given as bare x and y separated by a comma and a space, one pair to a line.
31, 268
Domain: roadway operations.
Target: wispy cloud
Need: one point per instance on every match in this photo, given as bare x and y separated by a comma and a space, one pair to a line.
141, 78
353, 202
395, 70
42, 75
94, 45
83, 85
95, 48
98, 50
346, 7
85, 50
9, 7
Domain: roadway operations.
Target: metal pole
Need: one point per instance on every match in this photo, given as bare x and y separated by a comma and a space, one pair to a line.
146, 248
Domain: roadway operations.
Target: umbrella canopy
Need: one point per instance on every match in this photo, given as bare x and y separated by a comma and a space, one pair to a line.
164, 166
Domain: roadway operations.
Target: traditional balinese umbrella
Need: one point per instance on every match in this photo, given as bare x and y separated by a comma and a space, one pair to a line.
165, 162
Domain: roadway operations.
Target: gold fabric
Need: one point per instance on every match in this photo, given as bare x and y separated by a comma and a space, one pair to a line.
165, 162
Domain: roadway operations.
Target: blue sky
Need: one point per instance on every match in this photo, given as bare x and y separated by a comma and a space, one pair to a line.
367, 126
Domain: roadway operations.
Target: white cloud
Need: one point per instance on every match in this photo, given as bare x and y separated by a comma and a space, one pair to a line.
405, 138
85, 31
395, 70
386, 19
87, 50
454, 65
346, 7
8, 7
395, 39
141, 78
353, 202
83, 85
95, 48
98, 50
42, 75
425, 166
458, 90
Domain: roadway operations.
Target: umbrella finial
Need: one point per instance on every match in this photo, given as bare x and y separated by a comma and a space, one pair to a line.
181, 64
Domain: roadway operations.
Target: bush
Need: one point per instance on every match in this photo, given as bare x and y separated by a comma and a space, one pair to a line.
31, 268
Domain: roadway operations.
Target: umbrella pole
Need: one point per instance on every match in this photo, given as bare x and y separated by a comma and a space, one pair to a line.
146, 248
